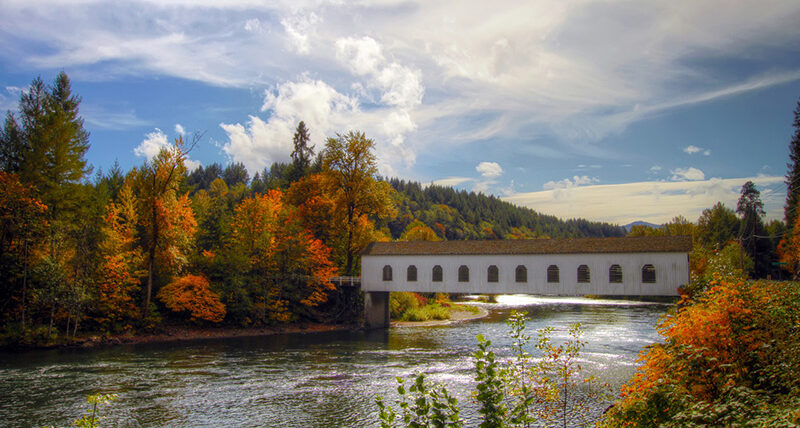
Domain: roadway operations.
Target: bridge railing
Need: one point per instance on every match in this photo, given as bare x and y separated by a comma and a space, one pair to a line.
346, 281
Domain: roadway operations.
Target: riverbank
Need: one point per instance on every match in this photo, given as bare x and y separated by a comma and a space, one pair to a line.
456, 315
182, 333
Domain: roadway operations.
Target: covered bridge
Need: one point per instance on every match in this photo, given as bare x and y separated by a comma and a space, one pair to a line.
641, 266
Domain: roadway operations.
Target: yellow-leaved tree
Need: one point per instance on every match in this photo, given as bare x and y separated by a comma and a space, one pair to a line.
350, 170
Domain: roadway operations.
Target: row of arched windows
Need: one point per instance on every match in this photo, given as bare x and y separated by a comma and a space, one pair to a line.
521, 274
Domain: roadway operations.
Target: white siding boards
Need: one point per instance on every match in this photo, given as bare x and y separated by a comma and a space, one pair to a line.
596, 266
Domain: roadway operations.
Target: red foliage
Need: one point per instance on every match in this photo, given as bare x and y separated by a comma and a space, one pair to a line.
191, 293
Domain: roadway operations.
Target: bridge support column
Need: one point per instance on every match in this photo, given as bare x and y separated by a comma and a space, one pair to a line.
376, 309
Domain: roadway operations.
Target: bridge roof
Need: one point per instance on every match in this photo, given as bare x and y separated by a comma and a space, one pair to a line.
643, 244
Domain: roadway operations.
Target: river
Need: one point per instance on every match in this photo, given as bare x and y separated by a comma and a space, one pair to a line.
301, 380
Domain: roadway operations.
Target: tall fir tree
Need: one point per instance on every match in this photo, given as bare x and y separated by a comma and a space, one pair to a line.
301, 155
751, 209
793, 175
47, 148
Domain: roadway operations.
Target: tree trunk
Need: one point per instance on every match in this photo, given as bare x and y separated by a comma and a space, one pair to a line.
151, 261
50, 327
66, 330
75, 329
24, 284
349, 266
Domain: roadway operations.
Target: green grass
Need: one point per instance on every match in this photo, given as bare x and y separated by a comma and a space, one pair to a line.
428, 312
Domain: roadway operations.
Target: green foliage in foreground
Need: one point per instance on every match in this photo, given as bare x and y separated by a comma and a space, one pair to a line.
92, 418
519, 392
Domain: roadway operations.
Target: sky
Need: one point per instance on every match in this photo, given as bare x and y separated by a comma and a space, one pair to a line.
608, 110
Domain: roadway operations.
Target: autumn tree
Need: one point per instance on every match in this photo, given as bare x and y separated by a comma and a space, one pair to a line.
22, 224
118, 280
46, 145
418, 231
192, 294
350, 169
166, 215
290, 266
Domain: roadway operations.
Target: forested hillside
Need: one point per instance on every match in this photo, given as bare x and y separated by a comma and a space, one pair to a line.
455, 214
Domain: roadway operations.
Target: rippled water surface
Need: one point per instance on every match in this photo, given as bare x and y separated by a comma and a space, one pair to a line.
300, 380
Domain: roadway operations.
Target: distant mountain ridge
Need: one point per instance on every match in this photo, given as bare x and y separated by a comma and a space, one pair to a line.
629, 226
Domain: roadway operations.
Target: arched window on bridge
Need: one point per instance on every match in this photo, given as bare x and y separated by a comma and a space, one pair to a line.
552, 274
387, 273
521, 274
615, 274
437, 274
492, 274
411, 273
463, 273
583, 273
648, 274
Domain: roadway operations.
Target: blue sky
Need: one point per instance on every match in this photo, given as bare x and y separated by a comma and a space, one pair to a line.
607, 110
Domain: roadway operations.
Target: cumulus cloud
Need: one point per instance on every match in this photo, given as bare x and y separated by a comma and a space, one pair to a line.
687, 174
258, 142
489, 169
652, 201
179, 129
567, 183
153, 143
655, 168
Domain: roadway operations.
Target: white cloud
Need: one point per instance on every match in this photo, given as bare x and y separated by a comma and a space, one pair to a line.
692, 149
652, 201
489, 169
655, 168
363, 56
326, 112
451, 181
567, 183
152, 145
297, 29
687, 174
179, 129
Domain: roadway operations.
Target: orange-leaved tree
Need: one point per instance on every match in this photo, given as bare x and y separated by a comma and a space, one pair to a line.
166, 215
290, 268
22, 225
192, 294
118, 279
731, 355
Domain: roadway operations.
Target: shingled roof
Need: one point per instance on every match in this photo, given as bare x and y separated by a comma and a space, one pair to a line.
643, 244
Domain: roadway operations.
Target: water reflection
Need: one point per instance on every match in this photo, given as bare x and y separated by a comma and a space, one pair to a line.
325, 379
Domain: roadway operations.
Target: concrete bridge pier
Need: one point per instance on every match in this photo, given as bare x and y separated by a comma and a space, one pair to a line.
376, 309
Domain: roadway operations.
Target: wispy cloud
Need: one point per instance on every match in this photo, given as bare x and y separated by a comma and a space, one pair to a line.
652, 201
105, 118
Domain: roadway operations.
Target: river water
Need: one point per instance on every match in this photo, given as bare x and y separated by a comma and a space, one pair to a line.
302, 380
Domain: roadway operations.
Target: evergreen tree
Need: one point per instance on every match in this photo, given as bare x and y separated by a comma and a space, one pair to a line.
235, 173
47, 149
751, 209
793, 175
302, 154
